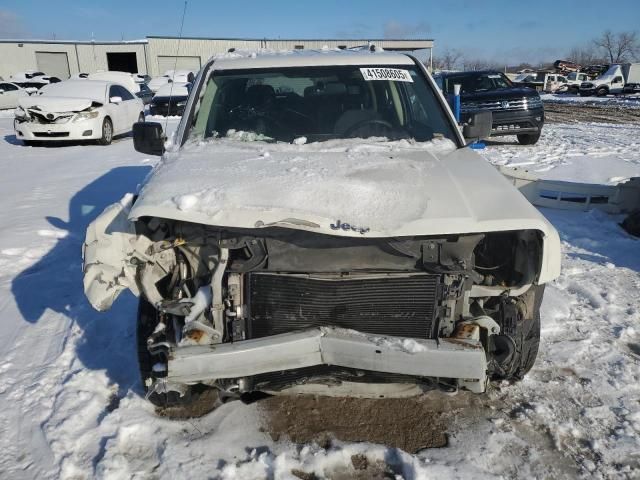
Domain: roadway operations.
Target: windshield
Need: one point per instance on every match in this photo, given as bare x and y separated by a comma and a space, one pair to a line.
320, 103
472, 82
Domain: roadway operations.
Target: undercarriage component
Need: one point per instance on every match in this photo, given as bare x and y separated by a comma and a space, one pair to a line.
462, 359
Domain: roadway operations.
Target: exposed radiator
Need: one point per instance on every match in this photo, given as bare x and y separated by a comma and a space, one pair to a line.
399, 305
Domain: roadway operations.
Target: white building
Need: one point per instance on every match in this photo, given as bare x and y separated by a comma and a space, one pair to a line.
154, 55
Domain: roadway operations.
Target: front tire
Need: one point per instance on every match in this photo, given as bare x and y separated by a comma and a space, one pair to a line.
529, 138
601, 92
107, 132
198, 400
515, 349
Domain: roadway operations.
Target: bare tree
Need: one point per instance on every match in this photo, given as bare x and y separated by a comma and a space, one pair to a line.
447, 60
480, 64
618, 47
585, 55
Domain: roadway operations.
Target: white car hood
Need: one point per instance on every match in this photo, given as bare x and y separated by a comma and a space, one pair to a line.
383, 189
55, 104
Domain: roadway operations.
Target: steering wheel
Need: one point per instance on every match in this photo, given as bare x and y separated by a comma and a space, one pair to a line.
372, 128
300, 114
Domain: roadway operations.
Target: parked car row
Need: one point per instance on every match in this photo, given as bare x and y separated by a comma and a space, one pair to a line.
32, 80
619, 78
96, 106
593, 80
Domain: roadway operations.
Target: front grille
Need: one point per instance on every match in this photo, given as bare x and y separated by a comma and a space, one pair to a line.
51, 134
514, 105
507, 127
42, 118
166, 110
394, 304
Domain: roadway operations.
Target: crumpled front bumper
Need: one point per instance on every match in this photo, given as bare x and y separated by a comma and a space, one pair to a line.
462, 359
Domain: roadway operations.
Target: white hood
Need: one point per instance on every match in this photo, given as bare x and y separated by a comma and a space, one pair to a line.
55, 104
389, 188
385, 189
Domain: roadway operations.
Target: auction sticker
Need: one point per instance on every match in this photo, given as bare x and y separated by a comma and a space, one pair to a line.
393, 74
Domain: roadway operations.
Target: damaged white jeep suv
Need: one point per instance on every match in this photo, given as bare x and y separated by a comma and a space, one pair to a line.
318, 224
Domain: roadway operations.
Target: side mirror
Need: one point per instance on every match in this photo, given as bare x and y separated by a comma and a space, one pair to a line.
478, 126
115, 99
148, 138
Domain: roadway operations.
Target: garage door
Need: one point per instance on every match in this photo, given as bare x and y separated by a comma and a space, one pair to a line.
184, 63
55, 64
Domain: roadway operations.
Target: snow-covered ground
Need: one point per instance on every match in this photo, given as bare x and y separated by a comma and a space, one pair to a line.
581, 152
71, 397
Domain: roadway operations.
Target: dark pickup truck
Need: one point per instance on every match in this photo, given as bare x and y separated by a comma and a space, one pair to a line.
516, 110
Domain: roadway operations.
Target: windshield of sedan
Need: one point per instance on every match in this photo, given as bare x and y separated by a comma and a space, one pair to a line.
473, 82
320, 103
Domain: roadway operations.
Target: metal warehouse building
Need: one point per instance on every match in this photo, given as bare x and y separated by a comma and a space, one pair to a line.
154, 55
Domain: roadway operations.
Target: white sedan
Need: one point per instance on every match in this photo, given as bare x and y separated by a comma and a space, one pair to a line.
78, 110
9, 95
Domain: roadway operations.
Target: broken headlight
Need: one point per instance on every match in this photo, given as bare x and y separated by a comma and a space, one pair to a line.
21, 114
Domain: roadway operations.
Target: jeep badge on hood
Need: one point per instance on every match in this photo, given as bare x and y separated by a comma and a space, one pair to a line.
347, 226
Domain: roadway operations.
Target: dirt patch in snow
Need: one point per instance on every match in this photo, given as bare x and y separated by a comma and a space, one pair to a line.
411, 424
579, 113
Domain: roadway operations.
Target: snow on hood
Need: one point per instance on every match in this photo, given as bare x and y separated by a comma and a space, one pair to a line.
55, 104
377, 188
174, 89
367, 185
95, 90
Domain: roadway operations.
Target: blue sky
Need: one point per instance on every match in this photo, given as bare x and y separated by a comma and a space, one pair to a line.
501, 30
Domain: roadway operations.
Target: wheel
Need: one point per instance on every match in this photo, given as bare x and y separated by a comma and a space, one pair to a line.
107, 132
601, 92
528, 138
198, 400
514, 350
